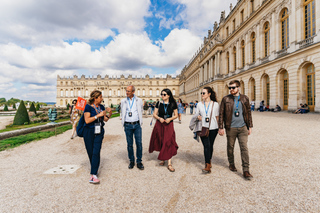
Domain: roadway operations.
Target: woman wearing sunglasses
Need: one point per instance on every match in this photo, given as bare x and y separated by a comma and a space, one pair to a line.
208, 111
163, 138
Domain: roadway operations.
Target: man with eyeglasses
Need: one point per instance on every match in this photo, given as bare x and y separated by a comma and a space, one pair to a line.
235, 117
131, 119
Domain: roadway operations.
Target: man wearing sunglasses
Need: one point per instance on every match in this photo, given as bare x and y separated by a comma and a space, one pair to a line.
235, 117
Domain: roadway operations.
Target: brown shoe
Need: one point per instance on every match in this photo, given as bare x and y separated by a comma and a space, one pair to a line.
232, 168
247, 175
207, 169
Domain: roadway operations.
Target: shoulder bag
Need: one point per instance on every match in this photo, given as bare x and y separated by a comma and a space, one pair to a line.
205, 130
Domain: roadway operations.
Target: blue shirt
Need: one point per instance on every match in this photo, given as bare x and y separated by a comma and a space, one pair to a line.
93, 112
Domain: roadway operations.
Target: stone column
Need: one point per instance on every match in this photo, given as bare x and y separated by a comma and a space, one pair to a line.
238, 59
218, 63
248, 49
273, 33
258, 42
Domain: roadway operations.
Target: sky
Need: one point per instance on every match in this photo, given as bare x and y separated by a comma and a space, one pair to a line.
41, 39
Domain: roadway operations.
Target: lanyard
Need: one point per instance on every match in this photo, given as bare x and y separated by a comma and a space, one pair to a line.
206, 109
237, 105
98, 110
165, 108
130, 105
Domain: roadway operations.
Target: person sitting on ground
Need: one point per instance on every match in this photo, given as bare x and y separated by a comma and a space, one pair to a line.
277, 109
304, 109
299, 109
261, 106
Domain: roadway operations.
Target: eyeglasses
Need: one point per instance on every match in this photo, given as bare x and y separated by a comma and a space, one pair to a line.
202, 93
232, 87
162, 94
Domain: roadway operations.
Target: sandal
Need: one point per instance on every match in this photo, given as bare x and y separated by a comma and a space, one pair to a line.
170, 168
161, 163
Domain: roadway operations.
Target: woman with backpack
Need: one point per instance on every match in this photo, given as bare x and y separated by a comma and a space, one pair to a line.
93, 132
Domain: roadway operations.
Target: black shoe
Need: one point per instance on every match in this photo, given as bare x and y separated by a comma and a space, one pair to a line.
140, 166
131, 165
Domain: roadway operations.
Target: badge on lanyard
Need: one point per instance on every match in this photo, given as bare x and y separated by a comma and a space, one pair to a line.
165, 111
206, 110
130, 105
97, 128
165, 117
207, 119
236, 112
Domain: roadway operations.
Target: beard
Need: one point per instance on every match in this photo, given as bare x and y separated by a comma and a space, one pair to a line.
235, 91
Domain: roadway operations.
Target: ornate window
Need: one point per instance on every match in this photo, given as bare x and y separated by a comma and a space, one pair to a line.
67, 93
173, 92
150, 92
252, 6
253, 42
228, 62
284, 29
227, 31
243, 53
309, 18
268, 91
266, 39
235, 57
285, 89
241, 15
61, 93
110, 92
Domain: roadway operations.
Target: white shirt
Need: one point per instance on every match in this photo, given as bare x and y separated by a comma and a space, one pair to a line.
202, 112
133, 110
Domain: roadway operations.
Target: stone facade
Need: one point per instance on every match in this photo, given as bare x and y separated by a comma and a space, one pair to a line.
113, 88
264, 44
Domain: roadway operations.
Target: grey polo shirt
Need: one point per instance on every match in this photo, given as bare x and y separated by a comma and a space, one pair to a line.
237, 122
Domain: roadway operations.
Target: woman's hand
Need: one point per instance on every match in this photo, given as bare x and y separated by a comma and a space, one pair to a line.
101, 114
161, 120
199, 118
168, 120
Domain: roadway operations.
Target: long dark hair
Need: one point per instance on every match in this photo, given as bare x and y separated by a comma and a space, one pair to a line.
213, 96
172, 102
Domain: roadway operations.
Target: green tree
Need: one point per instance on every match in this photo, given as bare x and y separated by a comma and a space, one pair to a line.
5, 108
32, 108
68, 106
21, 116
38, 106
111, 106
14, 106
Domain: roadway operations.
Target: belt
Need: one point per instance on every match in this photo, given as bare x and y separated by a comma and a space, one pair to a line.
132, 123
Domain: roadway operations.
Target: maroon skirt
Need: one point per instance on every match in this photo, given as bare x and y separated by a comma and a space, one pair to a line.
163, 139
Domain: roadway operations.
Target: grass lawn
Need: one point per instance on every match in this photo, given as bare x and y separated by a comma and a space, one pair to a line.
16, 141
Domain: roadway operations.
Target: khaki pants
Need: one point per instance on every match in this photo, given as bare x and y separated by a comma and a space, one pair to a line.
242, 135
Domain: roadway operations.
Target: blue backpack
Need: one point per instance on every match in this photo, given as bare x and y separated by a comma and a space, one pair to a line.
80, 126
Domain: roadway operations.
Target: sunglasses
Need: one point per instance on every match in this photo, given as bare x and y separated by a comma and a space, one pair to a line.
162, 94
202, 93
232, 87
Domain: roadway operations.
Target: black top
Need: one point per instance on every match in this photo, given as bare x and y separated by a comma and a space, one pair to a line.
161, 111
93, 112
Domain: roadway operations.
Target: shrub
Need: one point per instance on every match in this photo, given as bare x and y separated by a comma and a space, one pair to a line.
68, 106
14, 106
21, 116
32, 108
5, 108
38, 107
111, 106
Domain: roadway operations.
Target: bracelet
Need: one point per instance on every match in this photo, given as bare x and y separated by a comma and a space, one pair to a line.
107, 116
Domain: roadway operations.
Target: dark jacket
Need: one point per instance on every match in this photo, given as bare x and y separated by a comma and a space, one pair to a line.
226, 111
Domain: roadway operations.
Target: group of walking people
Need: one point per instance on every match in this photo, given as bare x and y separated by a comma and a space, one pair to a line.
210, 119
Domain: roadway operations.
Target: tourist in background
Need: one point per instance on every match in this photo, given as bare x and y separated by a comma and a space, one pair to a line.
132, 108
208, 111
180, 109
191, 104
235, 117
93, 132
262, 107
75, 115
252, 105
163, 136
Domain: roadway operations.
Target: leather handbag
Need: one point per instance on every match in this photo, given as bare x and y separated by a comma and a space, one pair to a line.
205, 130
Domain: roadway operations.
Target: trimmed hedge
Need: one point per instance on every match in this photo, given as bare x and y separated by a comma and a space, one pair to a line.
5, 108
32, 108
21, 116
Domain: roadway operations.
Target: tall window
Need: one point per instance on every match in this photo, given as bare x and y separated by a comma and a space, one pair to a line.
241, 15
227, 31
311, 87
268, 91
266, 39
143, 92
173, 92
110, 92
309, 18
67, 93
235, 57
228, 62
71, 93
243, 53
252, 6
234, 24
61, 93
150, 92
285, 29
253, 42
285, 90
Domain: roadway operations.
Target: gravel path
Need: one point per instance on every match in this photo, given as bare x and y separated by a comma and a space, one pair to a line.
5, 120
284, 156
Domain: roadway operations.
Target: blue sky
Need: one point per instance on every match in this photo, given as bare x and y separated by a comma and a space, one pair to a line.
42, 39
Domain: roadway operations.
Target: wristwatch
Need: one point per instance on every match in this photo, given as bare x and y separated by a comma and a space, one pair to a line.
107, 116
95, 117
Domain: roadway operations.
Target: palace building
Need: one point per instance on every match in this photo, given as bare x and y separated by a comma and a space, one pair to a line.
113, 88
272, 47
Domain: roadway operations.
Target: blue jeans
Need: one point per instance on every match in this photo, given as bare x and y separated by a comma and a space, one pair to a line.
93, 146
152, 109
135, 130
191, 110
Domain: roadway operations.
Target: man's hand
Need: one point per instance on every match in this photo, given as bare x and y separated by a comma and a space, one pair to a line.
250, 131
221, 132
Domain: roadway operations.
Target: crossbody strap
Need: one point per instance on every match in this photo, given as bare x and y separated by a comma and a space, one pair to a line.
211, 115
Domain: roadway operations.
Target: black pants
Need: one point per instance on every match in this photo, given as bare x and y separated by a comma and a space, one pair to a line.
208, 144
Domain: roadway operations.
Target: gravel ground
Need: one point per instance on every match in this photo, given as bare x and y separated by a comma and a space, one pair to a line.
5, 120
284, 156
